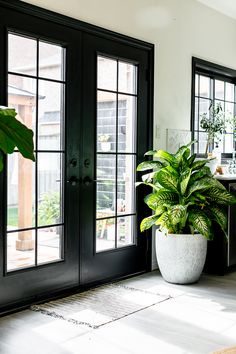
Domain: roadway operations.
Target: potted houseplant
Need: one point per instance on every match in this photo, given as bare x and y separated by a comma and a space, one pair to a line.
214, 125
14, 134
105, 143
186, 200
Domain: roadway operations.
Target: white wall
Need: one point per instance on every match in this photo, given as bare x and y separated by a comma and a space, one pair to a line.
179, 29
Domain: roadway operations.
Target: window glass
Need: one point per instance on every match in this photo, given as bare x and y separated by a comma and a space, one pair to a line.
212, 91
34, 192
116, 153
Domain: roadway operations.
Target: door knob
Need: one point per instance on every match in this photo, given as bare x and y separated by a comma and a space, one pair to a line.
73, 180
87, 180
73, 163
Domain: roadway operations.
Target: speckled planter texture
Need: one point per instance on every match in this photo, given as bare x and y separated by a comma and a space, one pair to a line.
180, 258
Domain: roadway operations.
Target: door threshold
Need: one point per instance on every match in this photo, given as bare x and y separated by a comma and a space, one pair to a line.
39, 299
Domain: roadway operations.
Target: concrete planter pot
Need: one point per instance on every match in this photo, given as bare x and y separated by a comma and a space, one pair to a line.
180, 258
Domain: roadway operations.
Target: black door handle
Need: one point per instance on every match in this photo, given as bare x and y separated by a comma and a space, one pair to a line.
87, 180
73, 180
73, 163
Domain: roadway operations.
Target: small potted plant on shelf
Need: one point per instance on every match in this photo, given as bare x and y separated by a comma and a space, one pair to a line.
214, 125
186, 200
105, 143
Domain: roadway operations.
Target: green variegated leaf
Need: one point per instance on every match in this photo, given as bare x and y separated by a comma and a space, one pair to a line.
151, 178
177, 214
220, 196
166, 156
202, 185
200, 222
200, 197
213, 182
165, 196
149, 165
197, 199
204, 171
163, 220
168, 204
197, 165
153, 186
159, 198
148, 177
167, 180
186, 154
148, 222
191, 160
171, 170
160, 209
220, 216
184, 180
150, 153
152, 201
181, 151
218, 184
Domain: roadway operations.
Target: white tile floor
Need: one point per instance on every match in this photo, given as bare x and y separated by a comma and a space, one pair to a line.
197, 319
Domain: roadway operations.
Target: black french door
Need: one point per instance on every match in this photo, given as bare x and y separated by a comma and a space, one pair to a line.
115, 101
71, 219
40, 235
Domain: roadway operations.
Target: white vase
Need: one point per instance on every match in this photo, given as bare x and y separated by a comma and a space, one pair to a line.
180, 258
106, 146
212, 164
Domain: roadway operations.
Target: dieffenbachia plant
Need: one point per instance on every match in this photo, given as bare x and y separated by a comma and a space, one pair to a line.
185, 197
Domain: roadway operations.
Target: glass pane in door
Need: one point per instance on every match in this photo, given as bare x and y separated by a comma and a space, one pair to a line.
116, 153
20, 192
35, 194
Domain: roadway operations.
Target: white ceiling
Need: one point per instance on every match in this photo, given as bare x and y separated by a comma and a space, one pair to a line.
227, 7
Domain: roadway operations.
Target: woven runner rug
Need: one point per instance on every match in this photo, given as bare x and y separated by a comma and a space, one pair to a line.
97, 307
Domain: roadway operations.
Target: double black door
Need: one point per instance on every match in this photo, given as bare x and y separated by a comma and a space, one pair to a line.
71, 219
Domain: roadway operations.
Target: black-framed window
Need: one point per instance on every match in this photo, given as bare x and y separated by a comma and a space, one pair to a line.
212, 84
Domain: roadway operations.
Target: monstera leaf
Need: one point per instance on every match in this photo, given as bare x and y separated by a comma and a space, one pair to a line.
14, 134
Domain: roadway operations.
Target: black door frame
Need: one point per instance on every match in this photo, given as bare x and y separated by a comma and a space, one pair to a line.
35, 12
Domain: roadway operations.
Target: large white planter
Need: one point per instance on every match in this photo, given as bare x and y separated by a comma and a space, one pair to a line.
180, 258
